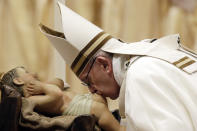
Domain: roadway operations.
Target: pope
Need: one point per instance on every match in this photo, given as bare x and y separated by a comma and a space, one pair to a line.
154, 79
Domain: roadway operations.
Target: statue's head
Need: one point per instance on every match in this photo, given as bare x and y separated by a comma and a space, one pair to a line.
10, 78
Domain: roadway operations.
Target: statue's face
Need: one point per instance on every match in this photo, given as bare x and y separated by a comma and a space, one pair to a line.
24, 76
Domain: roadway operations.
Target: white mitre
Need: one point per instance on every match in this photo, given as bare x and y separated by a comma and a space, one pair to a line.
81, 40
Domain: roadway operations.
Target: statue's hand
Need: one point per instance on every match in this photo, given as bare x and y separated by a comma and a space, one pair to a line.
35, 87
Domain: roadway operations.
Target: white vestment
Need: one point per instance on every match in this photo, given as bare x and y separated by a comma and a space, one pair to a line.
159, 89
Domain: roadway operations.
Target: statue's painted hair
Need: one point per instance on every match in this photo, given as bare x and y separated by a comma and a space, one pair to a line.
8, 79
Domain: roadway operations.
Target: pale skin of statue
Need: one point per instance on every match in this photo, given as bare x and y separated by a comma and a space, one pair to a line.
49, 97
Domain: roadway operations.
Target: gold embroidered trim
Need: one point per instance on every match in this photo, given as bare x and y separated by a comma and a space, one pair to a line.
89, 50
183, 62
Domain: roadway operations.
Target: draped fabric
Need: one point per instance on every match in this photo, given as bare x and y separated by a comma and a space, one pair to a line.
21, 43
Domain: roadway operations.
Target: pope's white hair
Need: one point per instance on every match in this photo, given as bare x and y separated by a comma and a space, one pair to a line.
103, 53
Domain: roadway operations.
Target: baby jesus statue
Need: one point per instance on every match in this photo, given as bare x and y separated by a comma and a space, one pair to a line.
49, 97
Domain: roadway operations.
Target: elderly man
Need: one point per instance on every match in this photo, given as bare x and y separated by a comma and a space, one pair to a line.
155, 79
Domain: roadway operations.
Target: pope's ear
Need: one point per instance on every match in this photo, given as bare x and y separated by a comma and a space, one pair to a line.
105, 63
18, 81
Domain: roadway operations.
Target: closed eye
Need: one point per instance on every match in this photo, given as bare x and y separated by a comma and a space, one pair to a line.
36, 76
